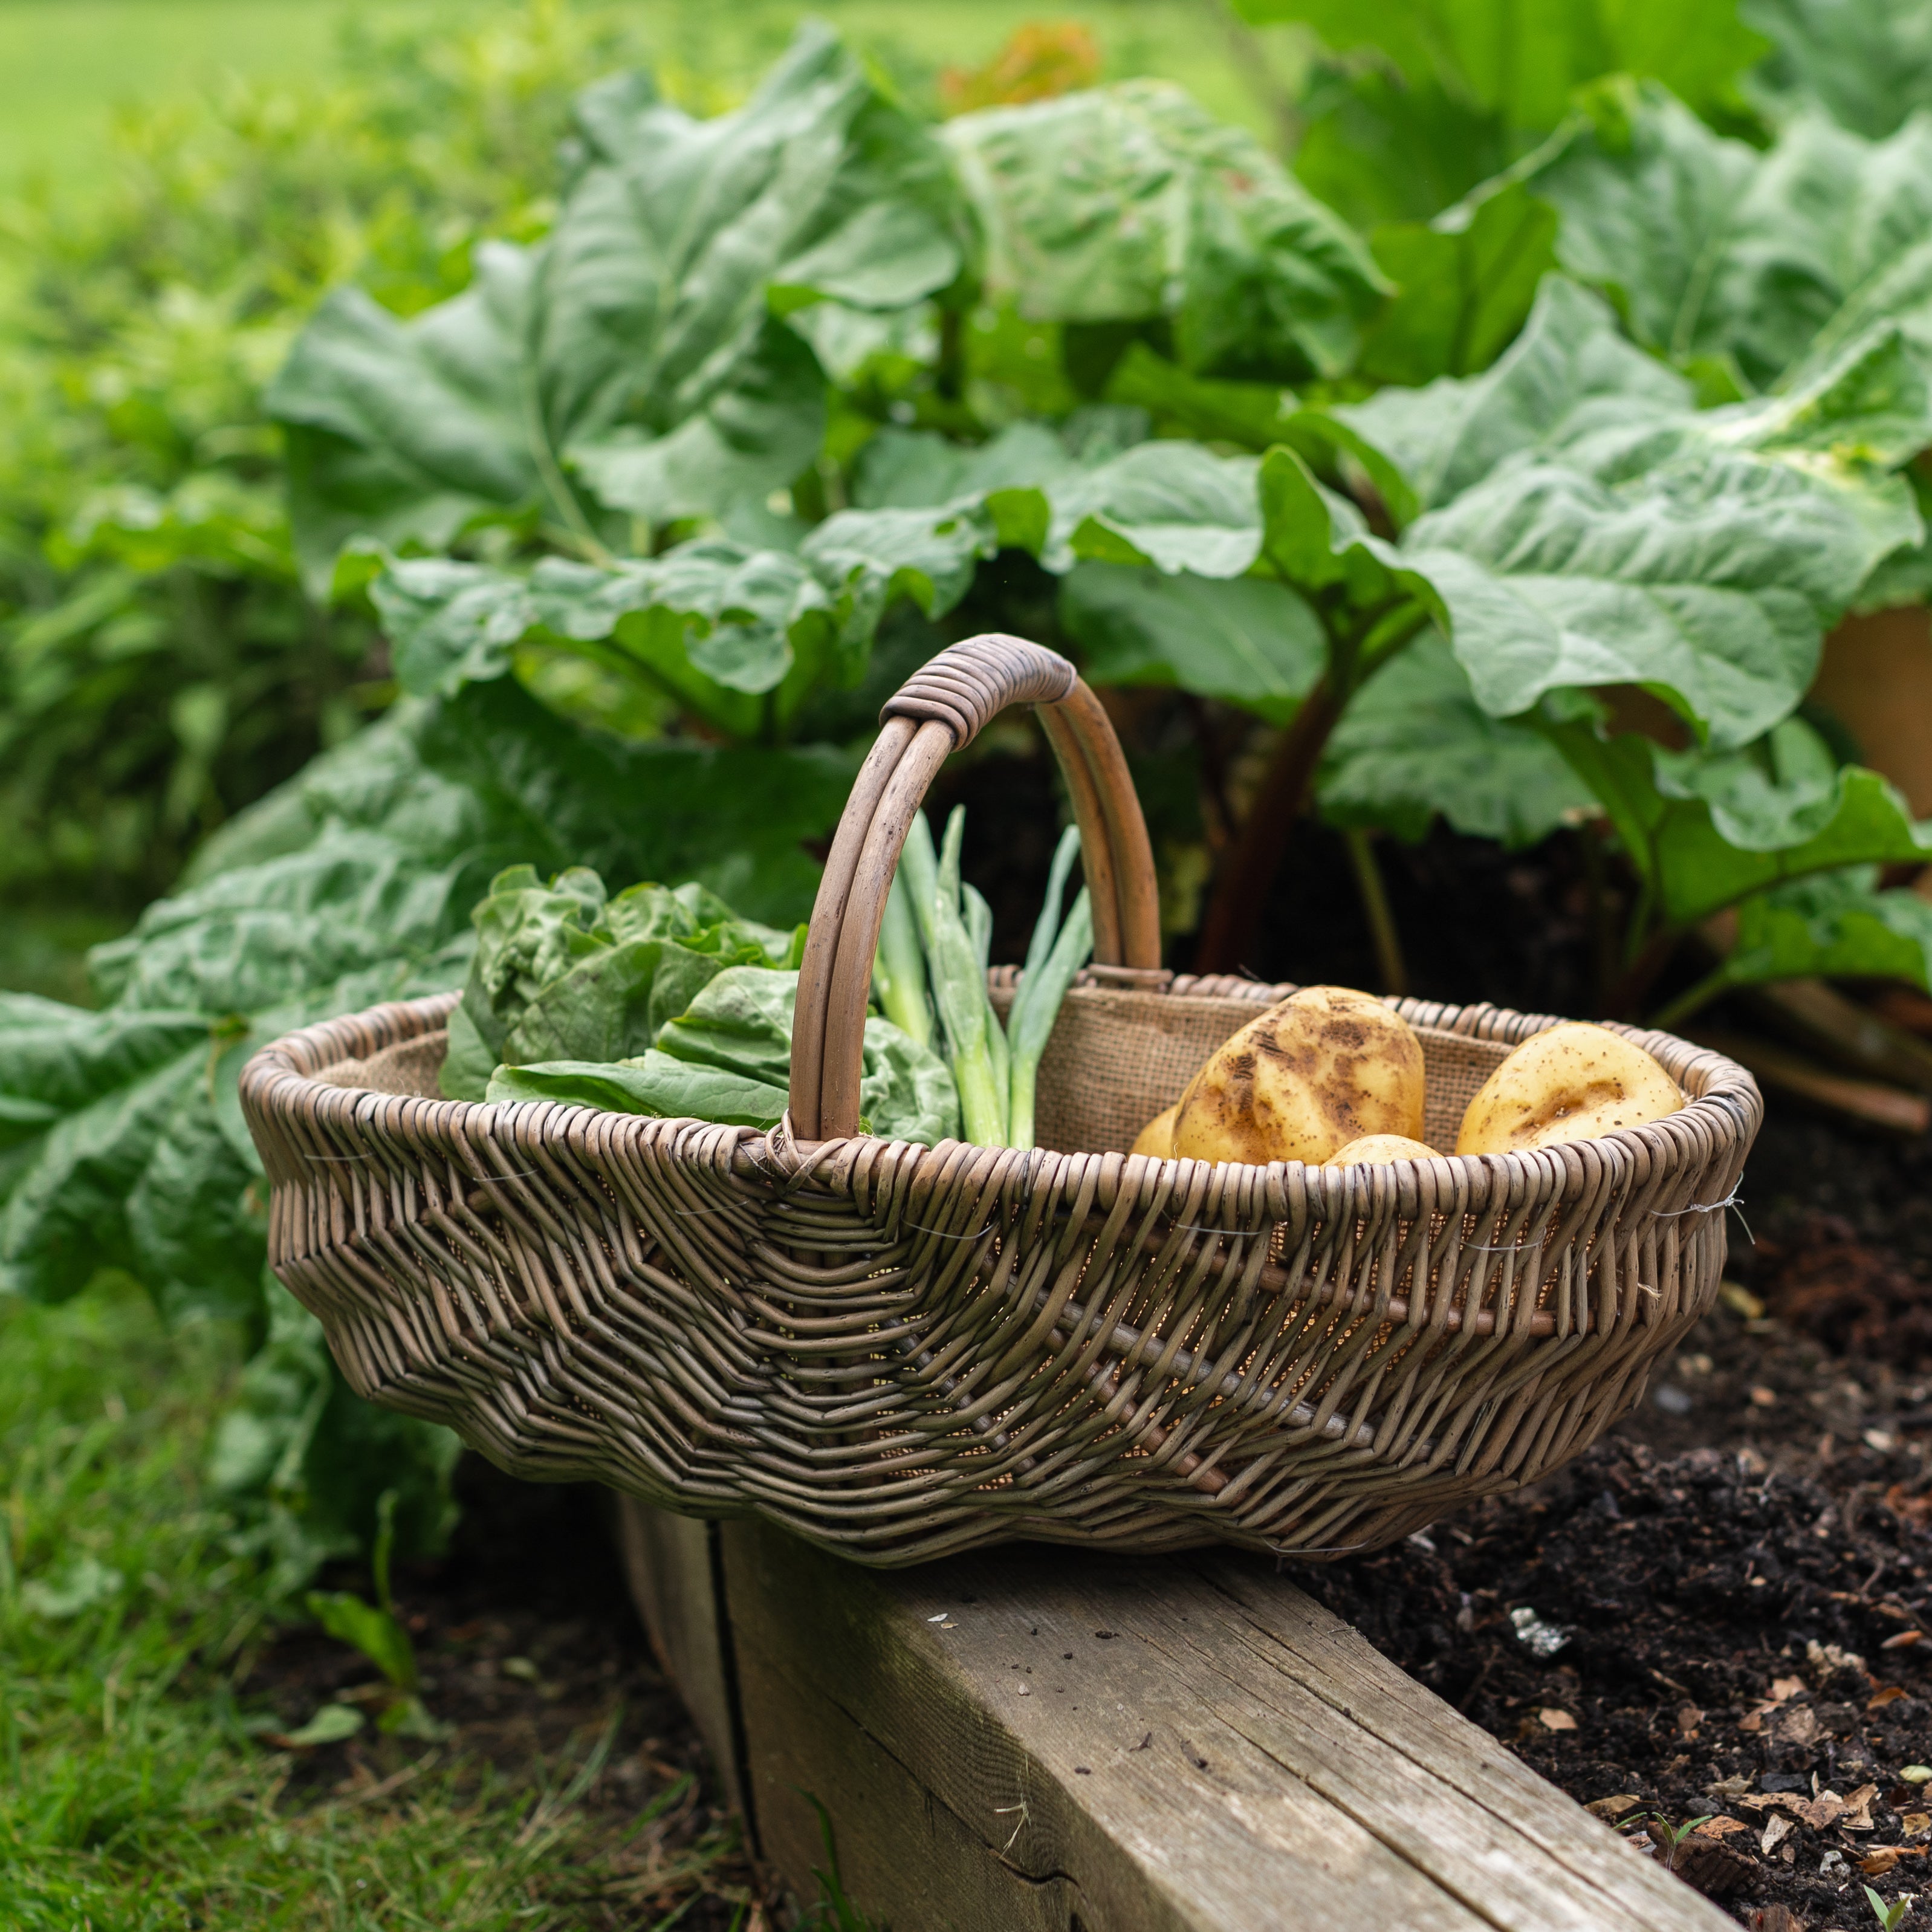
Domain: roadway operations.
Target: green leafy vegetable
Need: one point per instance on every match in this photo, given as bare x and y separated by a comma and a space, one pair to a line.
1720, 253
1243, 640
636, 359
728, 1058
562, 973
1131, 204
1703, 831
1835, 923
1867, 63
1416, 745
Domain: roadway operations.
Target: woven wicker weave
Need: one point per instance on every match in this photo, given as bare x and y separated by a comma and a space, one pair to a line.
897, 1350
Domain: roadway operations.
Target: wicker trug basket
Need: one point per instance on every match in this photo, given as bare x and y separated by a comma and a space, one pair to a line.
897, 1351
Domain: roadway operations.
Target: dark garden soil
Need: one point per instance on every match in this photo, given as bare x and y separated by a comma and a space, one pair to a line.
1723, 1612
531, 1652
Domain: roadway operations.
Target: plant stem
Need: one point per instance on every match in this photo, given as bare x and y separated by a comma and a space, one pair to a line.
1640, 975
1355, 654
1389, 965
1603, 936
1234, 911
1688, 1001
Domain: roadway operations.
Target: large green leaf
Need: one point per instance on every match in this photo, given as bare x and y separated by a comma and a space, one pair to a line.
1415, 745
1243, 640
1131, 203
121, 1140
638, 350
1428, 97
1521, 63
1466, 282
1593, 529
741, 636
1705, 831
1570, 370
1837, 924
1716, 251
1867, 63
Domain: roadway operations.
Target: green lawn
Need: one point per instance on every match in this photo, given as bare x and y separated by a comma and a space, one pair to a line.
66, 65
144, 1784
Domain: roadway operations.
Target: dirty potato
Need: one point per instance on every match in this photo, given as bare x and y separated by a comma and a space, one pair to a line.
1326, 1066
1573, 1083
1374, 1150
1157, 1138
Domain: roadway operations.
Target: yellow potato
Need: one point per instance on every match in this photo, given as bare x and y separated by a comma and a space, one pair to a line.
1375, 1149
1157, 1138
1325, 1067
1573, 1083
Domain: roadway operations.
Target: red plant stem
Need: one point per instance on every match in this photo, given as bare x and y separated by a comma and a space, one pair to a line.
1234, 913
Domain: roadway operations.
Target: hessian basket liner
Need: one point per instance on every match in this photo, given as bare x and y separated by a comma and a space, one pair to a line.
899, 1350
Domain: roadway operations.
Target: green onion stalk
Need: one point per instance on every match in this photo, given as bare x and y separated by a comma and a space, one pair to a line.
899, 970
936, 936
1053, 957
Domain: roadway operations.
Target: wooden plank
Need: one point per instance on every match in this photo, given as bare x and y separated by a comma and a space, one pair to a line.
670, 1562
1036, 1741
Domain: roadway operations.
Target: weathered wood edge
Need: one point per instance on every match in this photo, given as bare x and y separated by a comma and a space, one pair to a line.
1228, 1755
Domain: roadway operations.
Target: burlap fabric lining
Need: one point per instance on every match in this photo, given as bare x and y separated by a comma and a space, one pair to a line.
897, 1351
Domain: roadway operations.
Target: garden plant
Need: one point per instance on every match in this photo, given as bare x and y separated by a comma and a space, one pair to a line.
525, 466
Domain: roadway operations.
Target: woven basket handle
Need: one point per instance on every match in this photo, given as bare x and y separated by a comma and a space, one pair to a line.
944, 706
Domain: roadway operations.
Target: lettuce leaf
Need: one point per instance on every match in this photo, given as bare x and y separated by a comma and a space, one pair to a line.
728, 1058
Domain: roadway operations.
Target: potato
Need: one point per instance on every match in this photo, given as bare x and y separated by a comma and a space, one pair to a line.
1157, 1138
1326, 1066
1375, 1150
1573, 1083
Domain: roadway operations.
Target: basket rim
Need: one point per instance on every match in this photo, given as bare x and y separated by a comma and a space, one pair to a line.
1724, 1110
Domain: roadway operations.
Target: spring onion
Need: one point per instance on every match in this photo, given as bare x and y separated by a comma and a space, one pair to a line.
898, 972
950, 926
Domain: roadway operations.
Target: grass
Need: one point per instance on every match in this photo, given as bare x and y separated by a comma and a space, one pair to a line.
137, 1790
67, 65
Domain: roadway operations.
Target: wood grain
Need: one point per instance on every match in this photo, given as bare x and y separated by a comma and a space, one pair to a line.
669, 1564
1038, 1739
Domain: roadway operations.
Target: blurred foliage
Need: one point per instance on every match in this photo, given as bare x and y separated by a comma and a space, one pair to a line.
1039, 62
159, 666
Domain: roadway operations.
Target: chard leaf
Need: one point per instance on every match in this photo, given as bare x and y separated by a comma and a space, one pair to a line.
1131, 203
635, 359
1242, 640
728, 1058
1592, 529
1415, 745
1716, 251
651, 1083
1836, 924
902, 469
1570, 370
1867, 63
1705, 831
1466, 282
1446, 91
1174, 505
122, 1144
1523, 66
